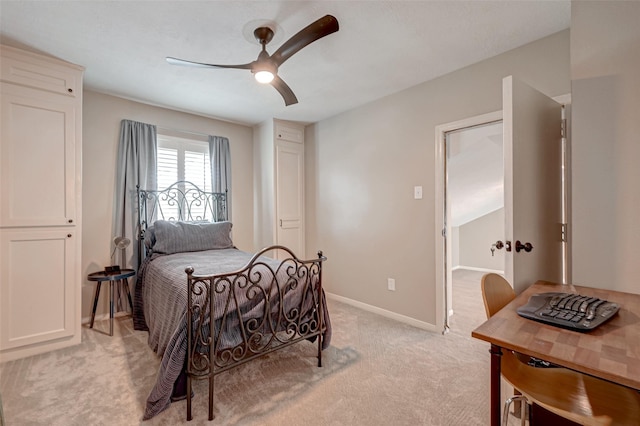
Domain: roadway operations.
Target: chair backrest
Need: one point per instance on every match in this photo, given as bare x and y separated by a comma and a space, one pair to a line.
496, 293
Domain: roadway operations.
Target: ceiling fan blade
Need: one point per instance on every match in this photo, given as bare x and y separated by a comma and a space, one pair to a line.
314, 31
176, 61
284, 90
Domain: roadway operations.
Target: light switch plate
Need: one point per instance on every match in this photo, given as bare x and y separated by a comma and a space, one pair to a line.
417, 192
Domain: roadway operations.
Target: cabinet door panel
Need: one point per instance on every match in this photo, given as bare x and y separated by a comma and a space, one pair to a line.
37, 157
30, 70
289, 133
37, 286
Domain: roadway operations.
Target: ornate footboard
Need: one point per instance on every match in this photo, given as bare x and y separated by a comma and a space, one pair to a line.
238, 316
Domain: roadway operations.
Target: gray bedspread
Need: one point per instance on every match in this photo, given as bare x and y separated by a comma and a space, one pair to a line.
160, 307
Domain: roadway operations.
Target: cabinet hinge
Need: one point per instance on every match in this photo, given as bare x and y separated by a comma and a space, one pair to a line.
563, 128
563, 232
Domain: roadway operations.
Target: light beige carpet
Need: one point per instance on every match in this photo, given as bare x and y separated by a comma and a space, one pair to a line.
376, 372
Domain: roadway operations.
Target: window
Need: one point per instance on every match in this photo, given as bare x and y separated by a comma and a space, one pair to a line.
182, 159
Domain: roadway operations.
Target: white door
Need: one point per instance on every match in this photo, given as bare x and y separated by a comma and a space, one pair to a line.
532, 185
290, 196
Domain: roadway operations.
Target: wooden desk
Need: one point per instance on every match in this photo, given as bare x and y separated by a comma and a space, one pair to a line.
610, 352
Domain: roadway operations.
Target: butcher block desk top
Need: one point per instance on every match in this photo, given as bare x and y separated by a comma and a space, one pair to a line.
610, 352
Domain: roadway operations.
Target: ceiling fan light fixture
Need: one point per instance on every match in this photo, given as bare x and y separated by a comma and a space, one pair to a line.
263, 69
264, 76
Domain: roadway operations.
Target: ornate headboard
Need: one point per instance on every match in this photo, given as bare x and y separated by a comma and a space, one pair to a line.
181, 201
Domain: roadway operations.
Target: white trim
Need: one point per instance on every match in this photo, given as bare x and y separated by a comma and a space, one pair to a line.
383, 312
101, 317
473, 268
563, 99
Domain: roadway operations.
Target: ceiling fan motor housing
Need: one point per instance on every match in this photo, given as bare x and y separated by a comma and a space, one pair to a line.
263, 34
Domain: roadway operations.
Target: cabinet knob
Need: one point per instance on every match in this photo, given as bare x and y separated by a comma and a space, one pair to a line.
69, 235
70, 90
70, 221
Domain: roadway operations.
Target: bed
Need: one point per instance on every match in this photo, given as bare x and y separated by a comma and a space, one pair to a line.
210, 307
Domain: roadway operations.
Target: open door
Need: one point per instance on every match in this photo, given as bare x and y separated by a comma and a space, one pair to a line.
532, 185
533, 194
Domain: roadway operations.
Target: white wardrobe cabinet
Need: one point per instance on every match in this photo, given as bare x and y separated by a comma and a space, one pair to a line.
40, 205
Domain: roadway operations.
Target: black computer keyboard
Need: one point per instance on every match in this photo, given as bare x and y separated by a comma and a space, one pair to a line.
568, 310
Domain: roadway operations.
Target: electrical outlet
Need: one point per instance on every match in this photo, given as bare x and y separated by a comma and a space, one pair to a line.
391, 284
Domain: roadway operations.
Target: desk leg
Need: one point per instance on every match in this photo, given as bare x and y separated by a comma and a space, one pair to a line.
496, 403
95, 303
111, 309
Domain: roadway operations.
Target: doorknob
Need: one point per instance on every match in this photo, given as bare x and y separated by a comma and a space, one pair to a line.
497, 245
526, 246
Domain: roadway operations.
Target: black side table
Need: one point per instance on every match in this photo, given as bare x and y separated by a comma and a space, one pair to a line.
120, 278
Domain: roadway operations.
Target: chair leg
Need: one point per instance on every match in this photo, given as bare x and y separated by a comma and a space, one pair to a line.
523, 408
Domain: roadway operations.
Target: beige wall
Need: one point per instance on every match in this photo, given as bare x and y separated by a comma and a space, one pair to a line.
101, 128
475, 239
605, 73
362, 165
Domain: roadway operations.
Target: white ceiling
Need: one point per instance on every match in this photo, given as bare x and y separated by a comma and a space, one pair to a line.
382, 47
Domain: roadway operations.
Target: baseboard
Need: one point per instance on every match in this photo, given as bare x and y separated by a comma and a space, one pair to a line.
383, 312
39, 348
473, 268
365, 307
87, 320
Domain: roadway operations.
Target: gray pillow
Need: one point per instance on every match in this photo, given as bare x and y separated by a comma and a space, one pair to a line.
150, 234
150, 237
176, 237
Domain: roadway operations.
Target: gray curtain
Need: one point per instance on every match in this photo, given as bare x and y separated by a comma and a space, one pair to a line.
220, 157
136, 166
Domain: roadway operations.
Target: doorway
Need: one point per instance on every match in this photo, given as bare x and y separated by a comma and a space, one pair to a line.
469, 206
475, 189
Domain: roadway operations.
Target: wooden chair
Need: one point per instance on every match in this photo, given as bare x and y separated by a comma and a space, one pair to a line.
575, 396
496, 293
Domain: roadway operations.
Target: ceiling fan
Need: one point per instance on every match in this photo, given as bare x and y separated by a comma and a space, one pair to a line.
265, 68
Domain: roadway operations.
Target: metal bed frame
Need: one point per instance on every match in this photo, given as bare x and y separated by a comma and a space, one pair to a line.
189, 202
277, 327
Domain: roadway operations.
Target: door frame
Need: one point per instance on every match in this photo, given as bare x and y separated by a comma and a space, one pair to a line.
443, 256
